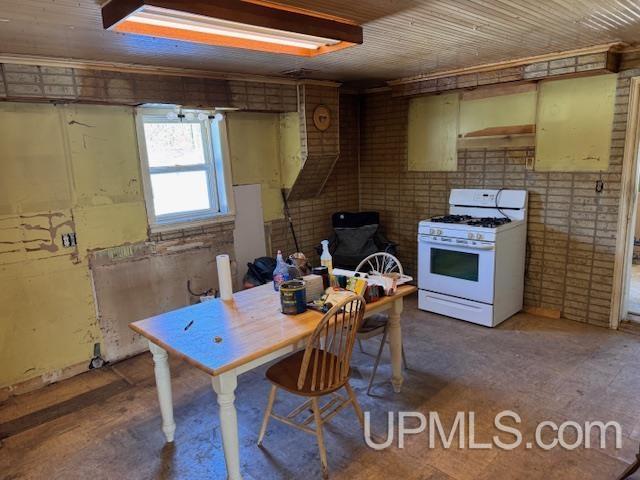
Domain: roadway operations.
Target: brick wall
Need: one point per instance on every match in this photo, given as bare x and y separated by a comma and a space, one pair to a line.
571, 230
587, 64
42, 83
312, 217
320, 150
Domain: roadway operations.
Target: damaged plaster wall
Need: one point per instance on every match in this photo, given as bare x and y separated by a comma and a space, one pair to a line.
46, 300
255, 158
75, 169
150, 278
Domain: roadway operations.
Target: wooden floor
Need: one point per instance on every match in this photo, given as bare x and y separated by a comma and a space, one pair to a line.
105, 424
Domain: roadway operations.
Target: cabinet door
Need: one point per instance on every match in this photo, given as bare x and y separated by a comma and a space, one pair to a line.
433, 132
575, 119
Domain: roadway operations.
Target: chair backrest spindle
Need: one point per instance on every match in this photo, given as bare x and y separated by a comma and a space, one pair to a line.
327, 356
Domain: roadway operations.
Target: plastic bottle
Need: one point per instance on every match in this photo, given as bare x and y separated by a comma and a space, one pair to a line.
325, 258
281, 272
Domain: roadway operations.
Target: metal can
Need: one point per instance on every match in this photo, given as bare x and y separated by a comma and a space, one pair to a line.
324, 273
293, 297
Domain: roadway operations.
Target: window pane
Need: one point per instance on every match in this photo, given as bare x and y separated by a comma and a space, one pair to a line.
180, 192
454, 264
170, 144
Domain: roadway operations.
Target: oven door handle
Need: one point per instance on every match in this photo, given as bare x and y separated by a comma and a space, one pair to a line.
478, 246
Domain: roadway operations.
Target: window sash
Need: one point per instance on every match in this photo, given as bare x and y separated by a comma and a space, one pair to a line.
212, 162
211, 194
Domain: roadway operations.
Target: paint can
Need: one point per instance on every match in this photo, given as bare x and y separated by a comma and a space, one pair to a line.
293, 298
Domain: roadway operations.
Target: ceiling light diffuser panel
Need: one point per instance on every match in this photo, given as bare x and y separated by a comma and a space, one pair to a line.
252, 25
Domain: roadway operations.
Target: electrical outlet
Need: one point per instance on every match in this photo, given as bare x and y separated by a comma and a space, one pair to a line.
529, 163
69, 240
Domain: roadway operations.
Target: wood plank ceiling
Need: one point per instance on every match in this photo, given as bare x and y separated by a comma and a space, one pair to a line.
401, 37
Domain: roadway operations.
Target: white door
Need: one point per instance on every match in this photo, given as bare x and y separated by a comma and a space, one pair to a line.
460, 268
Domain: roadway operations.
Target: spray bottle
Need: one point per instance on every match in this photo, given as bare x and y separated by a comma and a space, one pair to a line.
325, 258
281, 272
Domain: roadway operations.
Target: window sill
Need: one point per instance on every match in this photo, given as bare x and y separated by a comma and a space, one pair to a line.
172, 227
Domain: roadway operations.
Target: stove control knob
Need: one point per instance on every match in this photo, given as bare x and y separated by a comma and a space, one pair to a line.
479, 236
470, 235
432, 231
439, 232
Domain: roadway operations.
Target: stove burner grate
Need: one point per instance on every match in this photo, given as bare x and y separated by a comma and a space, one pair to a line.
488, 222
451, 219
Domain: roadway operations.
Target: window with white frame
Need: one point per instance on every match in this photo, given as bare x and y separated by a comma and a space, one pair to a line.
183, 165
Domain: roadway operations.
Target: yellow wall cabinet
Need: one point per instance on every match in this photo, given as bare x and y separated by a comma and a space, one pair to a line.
433, 133
492, 112
575, 118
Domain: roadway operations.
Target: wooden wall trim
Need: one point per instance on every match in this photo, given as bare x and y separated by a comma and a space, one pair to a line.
584, 64
153, 70
39, 381
37, 83
629, 194
510, 63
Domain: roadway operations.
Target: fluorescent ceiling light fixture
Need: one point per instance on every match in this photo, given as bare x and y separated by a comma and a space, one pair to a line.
198, 23
249, 24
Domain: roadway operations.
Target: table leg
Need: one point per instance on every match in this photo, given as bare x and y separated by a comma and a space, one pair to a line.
163, 384
224, 385
395, 345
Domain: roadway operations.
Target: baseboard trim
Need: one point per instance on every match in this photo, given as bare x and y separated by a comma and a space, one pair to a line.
40, 381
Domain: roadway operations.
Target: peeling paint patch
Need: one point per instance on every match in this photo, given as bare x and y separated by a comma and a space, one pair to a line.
34, 235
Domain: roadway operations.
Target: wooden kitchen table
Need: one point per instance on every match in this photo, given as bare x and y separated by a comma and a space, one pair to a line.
228, 338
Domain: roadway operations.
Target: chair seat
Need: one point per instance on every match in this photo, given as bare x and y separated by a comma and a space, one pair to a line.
373, 326
284, 374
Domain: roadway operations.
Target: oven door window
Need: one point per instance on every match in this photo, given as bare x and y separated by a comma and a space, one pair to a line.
455, 264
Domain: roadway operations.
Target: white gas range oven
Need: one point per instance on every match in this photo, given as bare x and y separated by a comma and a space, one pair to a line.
471, 262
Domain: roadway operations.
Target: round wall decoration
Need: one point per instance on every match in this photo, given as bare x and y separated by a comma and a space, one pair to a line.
322, 117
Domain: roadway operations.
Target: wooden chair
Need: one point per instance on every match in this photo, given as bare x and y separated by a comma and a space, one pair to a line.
378, 264
631, 473
322, 368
